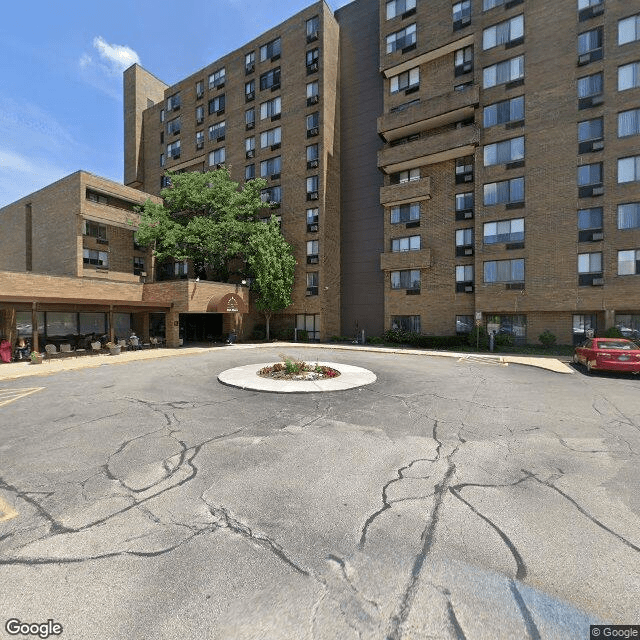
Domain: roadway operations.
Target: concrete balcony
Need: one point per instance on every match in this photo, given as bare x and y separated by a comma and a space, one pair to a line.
395, 194
447, 108
429, 149
396, 260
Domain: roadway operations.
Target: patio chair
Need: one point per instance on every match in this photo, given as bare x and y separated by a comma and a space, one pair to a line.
122, 344
153, 341
51, 351
66, 350
96, 347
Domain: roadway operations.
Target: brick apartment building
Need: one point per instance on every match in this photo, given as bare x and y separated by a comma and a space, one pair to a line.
70, 268
435, 164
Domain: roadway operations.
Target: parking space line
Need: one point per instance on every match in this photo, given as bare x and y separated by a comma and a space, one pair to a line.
10, 395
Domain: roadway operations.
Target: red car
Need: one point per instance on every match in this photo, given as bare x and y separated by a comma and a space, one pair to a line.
608, 354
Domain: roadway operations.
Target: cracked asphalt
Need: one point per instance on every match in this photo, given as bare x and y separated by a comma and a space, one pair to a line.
449, 499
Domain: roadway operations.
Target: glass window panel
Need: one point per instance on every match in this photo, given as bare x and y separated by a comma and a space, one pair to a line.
61, 324
629, 215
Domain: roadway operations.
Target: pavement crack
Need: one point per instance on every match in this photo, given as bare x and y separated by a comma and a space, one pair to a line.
529, 623
455, 624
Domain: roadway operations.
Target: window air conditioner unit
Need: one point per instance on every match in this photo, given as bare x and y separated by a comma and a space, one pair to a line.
275, 146
468, 214
597, 10
597, 282
250, 68
311, 228
597, 100
597, 236
250, 125
313, 100
275, 176
313, 195
468, 251
312, 164
468, 288
465, 20
250, 96
598, 145
597, 191
143, 274
585, 58
312, 36
250, 154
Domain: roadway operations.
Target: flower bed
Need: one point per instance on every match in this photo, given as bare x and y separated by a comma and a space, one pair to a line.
290, 369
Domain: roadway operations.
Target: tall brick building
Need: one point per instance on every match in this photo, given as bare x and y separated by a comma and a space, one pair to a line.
436, 164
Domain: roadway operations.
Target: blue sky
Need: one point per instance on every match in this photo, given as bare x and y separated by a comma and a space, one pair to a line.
61, 66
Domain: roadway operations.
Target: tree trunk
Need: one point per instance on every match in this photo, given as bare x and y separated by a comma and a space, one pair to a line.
267, 317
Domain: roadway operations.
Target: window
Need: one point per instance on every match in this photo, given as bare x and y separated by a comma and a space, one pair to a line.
199, 139
272, 195
161, 115
405, 176
173, 102
138, 266
464, 205
463, 61
312, 251
406, 279
590, 130
590, 174
173, 149
216, 105
250, 172
585, 4
271, 168
589, 268
629, 76
629, 215
217, 78
503, 72
464, 278
217, 157
515, 326
628, 123
629, 262
504, 271
199, 89
410, 324
464, 324
271, 138
249, 62
505, 32
200, 114
405, 213
504, 152
312, 188
97, 258
95, 230
629, 325
313, 120
271, 50
249, 90
490, 4
217, 131
312, 283
312, 93
464, 242
589, 220
270, 79
402, 40
249, 118
411, 243
312, 220
464, 169
629, 29
312, 60
504, 231
404, 81
271, 108
503, 112
590, 86
628, 169
399, 7
163, 160
590, 45
173, 126
250, 147
313, 25
461, 14
312, 156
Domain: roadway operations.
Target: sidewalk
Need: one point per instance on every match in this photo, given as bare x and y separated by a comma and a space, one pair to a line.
14, 370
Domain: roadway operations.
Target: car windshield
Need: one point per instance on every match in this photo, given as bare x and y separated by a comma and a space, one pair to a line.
617, 344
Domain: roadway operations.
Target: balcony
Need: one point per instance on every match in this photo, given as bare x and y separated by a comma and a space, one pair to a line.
429, 114
394, 260
429, 149
395, 194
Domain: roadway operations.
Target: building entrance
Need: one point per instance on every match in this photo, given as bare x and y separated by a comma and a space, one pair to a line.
201, 327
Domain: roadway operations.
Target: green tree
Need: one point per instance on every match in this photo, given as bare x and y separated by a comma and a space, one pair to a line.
272, 266
205, 217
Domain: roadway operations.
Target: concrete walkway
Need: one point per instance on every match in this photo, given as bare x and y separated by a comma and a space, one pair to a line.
14, 370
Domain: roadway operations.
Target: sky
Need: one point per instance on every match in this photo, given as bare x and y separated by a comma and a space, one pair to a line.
61, 67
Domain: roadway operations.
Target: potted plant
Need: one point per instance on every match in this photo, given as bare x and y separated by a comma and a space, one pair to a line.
36, 358
114, 349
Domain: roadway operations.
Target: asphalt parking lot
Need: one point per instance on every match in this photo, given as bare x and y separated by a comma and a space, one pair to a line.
449, 499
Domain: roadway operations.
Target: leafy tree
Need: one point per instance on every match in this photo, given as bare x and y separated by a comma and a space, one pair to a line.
272, 265
205, 217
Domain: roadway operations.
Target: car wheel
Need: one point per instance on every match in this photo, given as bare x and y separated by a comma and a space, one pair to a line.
589, 369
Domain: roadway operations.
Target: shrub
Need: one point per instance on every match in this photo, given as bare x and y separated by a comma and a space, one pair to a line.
285, 333
504, 340
303, 335
374, 340
547, 338
478, 338
613, 332
259, 332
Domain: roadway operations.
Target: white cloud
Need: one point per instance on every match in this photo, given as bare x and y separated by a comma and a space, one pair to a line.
104, 72
116, 57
